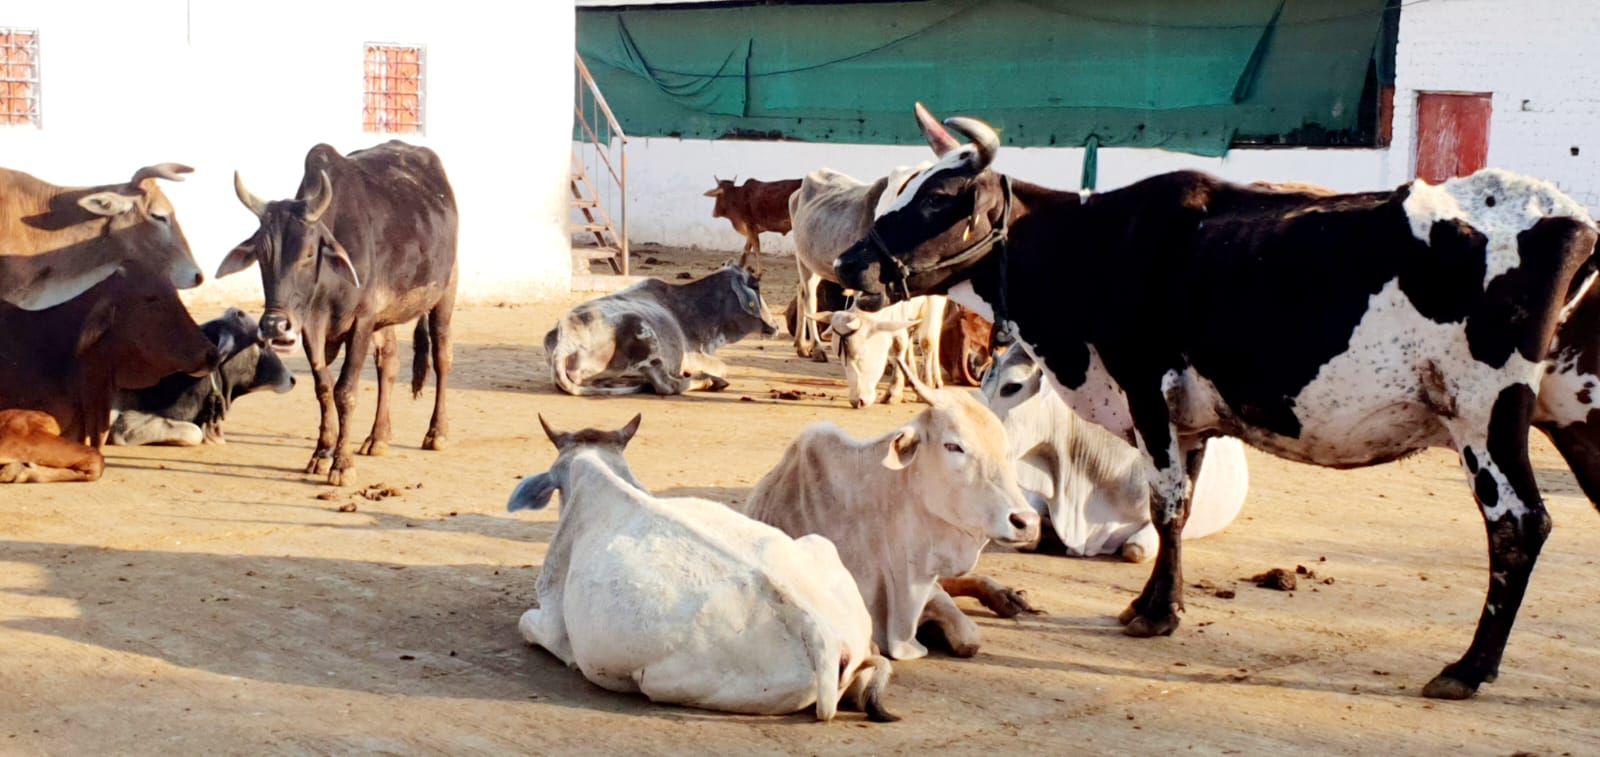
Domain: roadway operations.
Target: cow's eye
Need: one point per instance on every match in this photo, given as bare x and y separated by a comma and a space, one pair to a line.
953, 447
1010, 388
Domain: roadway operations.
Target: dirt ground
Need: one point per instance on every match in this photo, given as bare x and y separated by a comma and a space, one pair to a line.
211, 601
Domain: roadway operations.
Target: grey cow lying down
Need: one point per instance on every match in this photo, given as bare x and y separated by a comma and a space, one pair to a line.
655, 336
689, 602
1090, 485
909, 511
184, 410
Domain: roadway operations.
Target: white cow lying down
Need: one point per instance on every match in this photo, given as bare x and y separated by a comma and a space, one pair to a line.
1088, 483
910, 512
689, 602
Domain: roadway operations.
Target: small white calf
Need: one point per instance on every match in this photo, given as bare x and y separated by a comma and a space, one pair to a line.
871, 344
1086, 481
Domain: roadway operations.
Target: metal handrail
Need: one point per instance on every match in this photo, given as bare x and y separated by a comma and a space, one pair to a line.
612, 130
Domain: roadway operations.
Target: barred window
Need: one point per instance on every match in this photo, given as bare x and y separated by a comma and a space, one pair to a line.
19, 77
393, 89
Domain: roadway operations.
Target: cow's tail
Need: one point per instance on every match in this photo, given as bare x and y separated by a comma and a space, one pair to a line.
419, 357
868, 684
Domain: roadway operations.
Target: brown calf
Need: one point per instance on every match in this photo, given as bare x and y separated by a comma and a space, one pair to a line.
752, 208
32, 451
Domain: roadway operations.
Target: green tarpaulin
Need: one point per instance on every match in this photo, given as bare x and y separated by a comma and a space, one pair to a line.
1176, 74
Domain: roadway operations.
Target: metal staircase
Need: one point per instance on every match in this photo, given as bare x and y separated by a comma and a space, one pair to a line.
599, 182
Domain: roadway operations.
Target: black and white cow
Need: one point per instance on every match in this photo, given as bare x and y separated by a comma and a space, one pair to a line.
184, 410
1340, 331
655, 336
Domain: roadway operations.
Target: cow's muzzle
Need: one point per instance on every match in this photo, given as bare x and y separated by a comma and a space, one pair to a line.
279, 332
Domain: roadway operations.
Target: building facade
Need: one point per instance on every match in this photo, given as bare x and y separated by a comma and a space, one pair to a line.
97, 89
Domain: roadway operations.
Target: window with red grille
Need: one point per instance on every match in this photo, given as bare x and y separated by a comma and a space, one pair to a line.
393, 89
19, 77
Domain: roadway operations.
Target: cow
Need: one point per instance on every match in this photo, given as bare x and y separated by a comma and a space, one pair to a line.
186, 411
69, 361
56, 242
1342, 330
909, 511
1089, 485
368, 242
689, 602
831, 211
32, 451
753, 207
655, 336
964, 345
867, 340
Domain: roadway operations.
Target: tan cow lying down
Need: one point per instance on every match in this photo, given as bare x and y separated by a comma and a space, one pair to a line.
910, 511
689, 602
32, 451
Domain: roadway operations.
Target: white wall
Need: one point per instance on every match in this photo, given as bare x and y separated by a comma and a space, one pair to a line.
221, 85
1539, 59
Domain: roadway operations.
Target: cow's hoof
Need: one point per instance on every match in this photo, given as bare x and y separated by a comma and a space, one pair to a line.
336, 477
435, 442
718, 384
1445, 687
13, 473
373, 448
1131, 552
1141, 627
819, 356
319, 463
1009, 603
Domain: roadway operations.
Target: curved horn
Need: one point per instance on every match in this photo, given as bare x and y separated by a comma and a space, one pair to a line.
933, 131
927, 393
256, 205
324, 199
981, 134
168, 171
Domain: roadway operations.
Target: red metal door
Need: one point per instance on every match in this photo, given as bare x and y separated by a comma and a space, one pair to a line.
1452, 135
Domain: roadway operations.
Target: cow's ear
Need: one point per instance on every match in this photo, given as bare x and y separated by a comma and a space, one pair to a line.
336, 254
626, 432
824, 317
902, 449
106, 203
238, 258
97, 324
532, 494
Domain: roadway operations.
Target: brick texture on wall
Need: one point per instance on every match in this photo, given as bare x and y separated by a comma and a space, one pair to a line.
1539, 59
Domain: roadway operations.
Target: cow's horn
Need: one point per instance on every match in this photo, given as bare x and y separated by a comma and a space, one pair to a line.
168, 171
256, 205
923, 390
981, 135
933, 131
324, 199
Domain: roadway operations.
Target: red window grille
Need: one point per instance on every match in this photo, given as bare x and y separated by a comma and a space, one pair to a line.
19, 77
393, 92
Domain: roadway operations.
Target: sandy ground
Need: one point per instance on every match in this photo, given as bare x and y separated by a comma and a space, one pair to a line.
208, 601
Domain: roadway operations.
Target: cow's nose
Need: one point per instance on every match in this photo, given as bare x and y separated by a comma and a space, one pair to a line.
199, 278
1019, 522
274, 325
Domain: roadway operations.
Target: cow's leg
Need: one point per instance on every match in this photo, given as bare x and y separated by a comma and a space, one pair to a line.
1171, 471
1579, 445
806, 338
443, 360
895, 392
666, 381
751, 257
929, 332
960, 633
1502, 481
322, 382
386, 353
1002, 600
132, 428
705, 372
344, 399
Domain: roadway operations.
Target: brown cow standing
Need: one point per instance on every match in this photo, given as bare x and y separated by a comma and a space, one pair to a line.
126, 332
368, 242
32, 451
752, 208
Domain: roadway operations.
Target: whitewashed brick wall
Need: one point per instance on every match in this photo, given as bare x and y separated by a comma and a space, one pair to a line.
1541, 61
